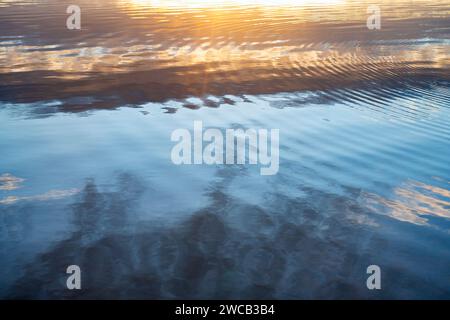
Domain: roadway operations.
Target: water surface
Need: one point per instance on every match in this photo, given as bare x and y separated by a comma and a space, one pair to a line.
86, 176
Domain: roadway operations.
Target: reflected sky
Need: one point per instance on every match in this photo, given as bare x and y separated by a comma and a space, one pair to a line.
9, 182
358, 195
414, 202
85, 173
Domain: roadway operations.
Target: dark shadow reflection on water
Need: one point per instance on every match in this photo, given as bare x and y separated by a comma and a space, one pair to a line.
229, 249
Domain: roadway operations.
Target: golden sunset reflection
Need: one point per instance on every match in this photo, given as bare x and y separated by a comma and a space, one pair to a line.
228, 3
413, 202
225, 41
298, 44
225, 58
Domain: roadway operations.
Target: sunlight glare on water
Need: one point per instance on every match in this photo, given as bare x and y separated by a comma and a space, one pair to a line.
223, 3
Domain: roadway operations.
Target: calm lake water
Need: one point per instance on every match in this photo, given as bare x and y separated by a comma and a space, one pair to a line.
86, 176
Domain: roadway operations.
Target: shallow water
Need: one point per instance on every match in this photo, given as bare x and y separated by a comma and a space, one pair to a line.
86, 177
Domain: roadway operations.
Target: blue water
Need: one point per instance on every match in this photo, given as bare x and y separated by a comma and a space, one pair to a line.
86, 176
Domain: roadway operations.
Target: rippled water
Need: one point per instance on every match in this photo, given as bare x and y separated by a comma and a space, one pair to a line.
86, 176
